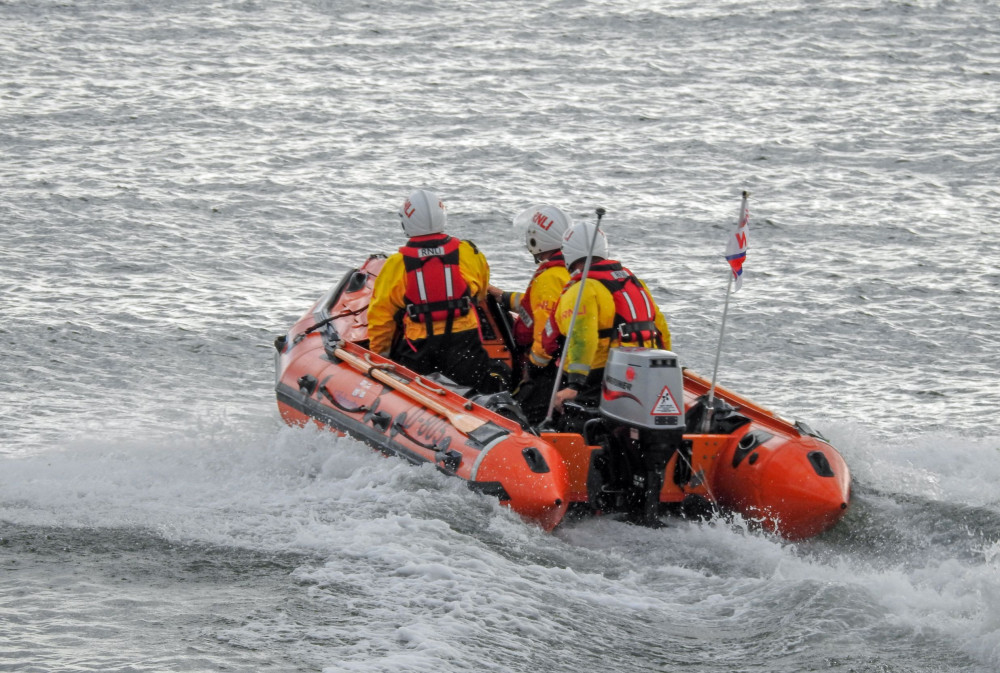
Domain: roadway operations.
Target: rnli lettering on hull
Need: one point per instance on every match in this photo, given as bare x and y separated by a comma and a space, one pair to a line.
429, 427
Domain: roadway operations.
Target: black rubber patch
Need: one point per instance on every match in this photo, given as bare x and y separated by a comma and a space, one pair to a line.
820, 463
486, 433
748, 443
535, 459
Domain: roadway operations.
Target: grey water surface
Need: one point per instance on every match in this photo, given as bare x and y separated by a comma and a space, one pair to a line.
180, 181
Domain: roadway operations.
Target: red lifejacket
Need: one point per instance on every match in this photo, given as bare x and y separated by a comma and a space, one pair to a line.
435, 287
525, 325
635, 310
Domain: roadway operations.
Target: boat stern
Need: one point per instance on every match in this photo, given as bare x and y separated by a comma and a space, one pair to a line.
528, 475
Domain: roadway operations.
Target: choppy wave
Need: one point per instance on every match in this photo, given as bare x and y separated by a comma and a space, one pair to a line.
182, 181
319, 547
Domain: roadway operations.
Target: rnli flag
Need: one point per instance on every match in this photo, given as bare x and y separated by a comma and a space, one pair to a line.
736, 248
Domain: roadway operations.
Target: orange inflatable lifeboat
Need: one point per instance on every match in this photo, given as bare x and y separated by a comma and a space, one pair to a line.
650, 447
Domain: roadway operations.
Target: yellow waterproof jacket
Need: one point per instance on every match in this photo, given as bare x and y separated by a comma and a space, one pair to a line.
390, 287
543, 295
587, 350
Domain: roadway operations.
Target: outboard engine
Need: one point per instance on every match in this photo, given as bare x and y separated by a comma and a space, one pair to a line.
642, 402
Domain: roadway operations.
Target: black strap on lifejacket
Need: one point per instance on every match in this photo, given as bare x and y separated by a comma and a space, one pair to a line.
422, 312
631, 332
626, 331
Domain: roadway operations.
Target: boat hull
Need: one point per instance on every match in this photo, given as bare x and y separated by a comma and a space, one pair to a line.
496, 459
775, 473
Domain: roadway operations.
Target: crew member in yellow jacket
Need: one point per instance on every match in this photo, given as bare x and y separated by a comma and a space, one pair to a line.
543, 228
617, 309
422, 312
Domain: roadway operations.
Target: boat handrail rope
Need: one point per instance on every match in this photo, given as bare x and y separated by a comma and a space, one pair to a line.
434, 389
325, 392
384, 366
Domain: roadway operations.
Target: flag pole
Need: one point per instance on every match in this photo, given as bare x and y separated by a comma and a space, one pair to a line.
709, 406
710, 403
572, 319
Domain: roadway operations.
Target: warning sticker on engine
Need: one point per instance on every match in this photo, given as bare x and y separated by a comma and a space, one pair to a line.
666, 405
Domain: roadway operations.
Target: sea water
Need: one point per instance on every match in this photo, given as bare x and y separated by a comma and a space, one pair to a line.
180, 181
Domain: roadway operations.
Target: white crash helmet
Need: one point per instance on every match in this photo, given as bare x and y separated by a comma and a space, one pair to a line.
423, 213
576, 243
543, 228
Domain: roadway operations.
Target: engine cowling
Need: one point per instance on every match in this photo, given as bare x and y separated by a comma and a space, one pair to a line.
643, 388
642, 400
